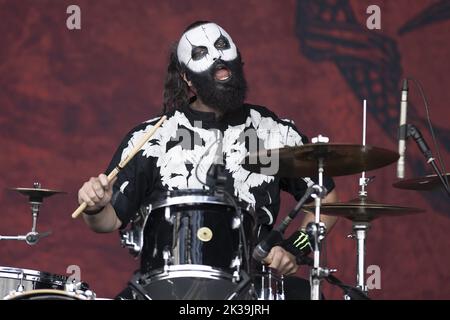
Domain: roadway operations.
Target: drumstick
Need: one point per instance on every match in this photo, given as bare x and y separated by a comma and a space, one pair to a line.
124, 162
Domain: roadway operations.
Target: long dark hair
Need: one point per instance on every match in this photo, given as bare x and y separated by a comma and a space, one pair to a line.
176, 90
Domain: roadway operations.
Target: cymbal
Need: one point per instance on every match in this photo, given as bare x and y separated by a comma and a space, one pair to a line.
339, 159
36, 194
425, 183
363, 210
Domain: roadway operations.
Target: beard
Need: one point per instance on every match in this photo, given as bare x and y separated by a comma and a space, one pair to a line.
224, 95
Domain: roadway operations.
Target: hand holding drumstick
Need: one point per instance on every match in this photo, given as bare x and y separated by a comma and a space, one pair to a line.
97, 192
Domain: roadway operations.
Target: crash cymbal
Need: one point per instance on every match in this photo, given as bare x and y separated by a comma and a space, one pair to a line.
363, 210
425, 183
302, 161
36, 194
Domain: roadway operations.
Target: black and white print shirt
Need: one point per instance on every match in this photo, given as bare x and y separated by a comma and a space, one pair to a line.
182, 150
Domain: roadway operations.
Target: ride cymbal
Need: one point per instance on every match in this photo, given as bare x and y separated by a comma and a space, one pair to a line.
302, 161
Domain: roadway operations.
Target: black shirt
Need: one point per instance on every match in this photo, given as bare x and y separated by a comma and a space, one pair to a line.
182, 150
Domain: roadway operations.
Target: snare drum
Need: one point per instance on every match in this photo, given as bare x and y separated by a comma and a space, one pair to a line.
193, 247
20, 280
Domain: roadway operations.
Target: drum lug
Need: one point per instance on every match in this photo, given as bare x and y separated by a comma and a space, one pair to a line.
167, 257
168, 216
20, 287
236, 263
79, 288
131, 239
236, 223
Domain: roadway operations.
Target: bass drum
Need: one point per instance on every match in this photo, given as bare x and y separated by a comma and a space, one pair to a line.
21, 280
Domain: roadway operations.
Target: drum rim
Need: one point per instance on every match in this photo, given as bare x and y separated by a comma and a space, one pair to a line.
18, 295
187, 200
31, 275
184, 271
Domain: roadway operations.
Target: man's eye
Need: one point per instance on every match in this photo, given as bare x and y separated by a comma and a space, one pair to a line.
222, 43
199, 52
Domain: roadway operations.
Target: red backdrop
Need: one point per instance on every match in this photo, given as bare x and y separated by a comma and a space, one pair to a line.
68, 97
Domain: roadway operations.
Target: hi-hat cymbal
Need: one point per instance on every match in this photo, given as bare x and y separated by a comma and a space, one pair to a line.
338, 160
36, 194
425, 183
363, 210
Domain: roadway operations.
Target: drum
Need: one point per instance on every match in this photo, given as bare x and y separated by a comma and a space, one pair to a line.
20, 280
49, 294
195, 246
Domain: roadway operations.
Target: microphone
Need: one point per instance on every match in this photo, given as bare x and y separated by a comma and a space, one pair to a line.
275, 236
261, 251
402, 133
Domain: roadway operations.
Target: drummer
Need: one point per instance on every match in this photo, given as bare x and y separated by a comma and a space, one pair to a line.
204, 100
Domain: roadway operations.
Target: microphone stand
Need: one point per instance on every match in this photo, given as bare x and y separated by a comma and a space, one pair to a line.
350, 293
414, 132
276, 234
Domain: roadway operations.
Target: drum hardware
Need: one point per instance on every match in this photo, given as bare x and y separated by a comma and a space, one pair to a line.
272, 285
168, 260
80, 288
169, 218
350, 293
133, 238
426, 183
51, 294
361, 212
36, 196
316, 230
236, 265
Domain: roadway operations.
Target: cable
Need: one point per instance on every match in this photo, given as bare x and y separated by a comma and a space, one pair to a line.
233, 202
433, 136
200, 161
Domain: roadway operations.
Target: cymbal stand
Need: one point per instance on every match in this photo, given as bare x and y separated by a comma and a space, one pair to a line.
360, 228
32, 237
316, 230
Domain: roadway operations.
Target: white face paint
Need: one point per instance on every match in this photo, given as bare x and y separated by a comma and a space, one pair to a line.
200, 47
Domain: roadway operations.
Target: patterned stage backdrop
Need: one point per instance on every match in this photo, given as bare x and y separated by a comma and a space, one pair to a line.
67, 97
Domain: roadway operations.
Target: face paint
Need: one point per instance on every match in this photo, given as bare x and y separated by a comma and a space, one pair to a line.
200, 47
